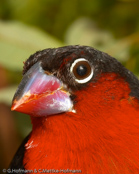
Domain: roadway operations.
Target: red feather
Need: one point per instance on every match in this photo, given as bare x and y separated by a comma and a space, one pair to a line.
102, 137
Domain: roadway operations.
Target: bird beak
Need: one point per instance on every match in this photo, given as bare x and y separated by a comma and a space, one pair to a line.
41, 94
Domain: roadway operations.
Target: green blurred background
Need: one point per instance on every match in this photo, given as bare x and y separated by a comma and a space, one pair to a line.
30, 25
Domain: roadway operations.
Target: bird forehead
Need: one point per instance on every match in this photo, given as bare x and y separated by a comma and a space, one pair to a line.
54, 58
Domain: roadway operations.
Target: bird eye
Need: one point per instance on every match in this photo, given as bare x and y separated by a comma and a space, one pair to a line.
82, 70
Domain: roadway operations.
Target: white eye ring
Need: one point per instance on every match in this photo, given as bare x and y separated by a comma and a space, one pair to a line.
77, 77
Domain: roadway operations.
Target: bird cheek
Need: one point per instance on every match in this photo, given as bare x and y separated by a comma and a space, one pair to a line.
40, 94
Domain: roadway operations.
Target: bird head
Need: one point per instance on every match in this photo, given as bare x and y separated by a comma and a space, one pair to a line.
76, 79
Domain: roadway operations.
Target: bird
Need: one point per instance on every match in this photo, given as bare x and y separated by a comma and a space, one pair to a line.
84, 109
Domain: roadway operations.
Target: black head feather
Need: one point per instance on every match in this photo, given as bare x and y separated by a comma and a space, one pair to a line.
58, 61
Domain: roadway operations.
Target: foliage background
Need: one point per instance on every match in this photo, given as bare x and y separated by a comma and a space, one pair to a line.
31, 25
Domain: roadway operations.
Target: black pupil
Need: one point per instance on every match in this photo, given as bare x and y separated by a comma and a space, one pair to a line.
81, 70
